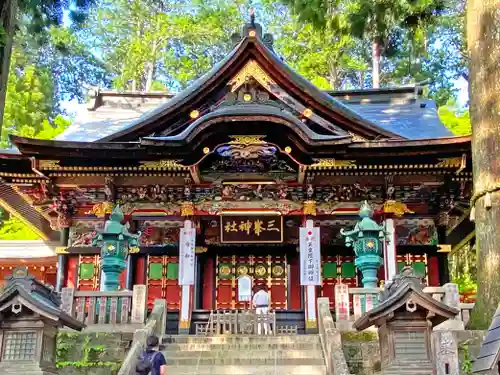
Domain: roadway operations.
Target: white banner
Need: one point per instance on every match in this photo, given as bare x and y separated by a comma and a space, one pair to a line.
186, 256
244, 288
310, 256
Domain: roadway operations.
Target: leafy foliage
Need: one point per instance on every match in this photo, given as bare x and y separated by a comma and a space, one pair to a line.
30, 103
411, 35
458, 121
42, 14
322, 57
160, 44
14, 229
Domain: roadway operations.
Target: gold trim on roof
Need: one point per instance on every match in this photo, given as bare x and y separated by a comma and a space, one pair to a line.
161, 164
62, 250
101, 209
449, 162
444, 248
247, 140
357, 138
309, 208
187, 209
333, 163
396, 208
200, 249
251, 70
49, 164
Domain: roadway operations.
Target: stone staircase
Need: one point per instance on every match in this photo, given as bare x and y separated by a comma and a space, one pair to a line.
244, 355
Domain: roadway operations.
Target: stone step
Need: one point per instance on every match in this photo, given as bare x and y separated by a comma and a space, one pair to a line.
409, 370
184, 339
245, 347
254, 354
247, 370
242, 361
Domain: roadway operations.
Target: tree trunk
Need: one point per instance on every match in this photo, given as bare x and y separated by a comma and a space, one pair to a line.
8, 10
483, 30
333, 76
375, 64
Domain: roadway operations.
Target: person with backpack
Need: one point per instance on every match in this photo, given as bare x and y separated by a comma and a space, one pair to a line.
151, 362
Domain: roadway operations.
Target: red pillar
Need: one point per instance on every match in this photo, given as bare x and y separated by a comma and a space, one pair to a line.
208, 284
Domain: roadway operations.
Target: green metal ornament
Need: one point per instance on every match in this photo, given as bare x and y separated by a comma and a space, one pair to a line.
115, 242
366, 239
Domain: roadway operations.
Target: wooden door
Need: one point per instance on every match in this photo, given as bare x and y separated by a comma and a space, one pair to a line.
337, 269
162, 281
89, 273
268, 270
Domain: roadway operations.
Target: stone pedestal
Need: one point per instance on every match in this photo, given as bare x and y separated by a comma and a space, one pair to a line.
445, 353
139, 304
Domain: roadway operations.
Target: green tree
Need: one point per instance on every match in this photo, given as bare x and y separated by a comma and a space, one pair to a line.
377, 20
327, 60
160, 44
458, 121
30, 103
39, 15
14, 229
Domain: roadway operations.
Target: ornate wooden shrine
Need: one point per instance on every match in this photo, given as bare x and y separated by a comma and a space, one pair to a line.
248, 152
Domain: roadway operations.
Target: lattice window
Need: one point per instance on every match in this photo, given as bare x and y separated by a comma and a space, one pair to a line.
410, 345
19, 346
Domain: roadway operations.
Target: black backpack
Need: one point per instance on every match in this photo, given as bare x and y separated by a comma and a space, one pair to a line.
145, 364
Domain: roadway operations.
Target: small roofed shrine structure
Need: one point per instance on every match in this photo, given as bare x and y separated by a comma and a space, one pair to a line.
29, 319
405, 318
247, 154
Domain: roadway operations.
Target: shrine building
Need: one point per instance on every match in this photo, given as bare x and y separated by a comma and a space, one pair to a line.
248, 153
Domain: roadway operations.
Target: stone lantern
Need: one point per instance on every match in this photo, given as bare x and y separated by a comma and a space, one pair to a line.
405, 317
115, 242
29, 319
366, 239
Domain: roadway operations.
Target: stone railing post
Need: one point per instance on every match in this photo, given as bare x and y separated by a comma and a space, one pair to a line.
342, 313
363, 300
67, 298
445, 348
155, 325
436, 292
451, 298
465, 309
139, 304
331, 340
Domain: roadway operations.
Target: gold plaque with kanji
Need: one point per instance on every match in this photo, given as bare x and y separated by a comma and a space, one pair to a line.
251, 229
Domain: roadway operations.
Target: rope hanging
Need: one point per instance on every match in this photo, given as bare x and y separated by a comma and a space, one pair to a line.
487, 199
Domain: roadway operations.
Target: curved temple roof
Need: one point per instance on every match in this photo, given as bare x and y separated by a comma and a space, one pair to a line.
370, 114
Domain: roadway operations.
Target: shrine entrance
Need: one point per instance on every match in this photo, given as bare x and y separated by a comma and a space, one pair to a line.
162, 283
267, 270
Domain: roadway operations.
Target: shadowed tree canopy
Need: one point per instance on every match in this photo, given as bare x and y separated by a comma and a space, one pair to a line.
38, 15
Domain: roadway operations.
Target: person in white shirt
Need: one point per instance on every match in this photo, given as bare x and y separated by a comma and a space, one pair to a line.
260, 302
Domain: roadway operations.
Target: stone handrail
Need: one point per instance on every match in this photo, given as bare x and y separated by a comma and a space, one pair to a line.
155, 325
93, 307
331, 341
